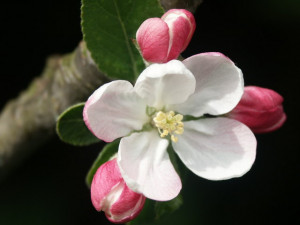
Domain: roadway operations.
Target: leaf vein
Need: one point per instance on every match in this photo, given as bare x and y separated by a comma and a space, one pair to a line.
134, 66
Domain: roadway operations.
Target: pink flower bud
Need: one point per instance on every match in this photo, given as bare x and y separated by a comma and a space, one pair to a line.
161, 40
110, 194
260, 109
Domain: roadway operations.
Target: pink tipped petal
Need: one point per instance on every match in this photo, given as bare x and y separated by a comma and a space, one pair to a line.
219, 85
260, 109
182, 26
114, 110
146, 167
216, 148
164, 84
179, 32
105, 179
153, 39
127, 207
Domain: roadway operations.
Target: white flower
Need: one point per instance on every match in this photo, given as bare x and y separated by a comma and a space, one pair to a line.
151, 114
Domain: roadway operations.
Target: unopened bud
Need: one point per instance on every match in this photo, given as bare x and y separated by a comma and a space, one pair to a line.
109, 193
260, 109
161, 40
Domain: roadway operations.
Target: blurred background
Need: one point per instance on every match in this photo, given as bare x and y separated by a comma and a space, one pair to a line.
260, 36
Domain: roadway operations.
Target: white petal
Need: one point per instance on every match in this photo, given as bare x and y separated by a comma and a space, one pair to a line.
114, 110
219, 85
163, 84
146, 167
216, 148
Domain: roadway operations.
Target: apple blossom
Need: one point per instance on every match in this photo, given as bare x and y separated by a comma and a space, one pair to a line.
110, 194
168, 104
161, 40
260, 109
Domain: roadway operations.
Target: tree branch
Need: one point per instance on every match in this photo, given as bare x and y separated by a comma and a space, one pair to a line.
29, 120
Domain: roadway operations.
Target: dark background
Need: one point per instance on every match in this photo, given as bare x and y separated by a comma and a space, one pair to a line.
260, 36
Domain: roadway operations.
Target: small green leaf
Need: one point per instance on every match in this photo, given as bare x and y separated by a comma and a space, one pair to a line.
109, 28
164, 208
71, 128
146, 216
106, 153
154, 211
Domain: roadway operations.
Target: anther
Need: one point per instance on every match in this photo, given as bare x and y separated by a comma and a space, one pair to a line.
169, 124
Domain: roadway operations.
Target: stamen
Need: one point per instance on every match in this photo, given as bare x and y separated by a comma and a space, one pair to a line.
169, 124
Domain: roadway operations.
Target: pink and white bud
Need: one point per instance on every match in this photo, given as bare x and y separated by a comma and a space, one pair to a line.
109, 193
161, 40
260, 109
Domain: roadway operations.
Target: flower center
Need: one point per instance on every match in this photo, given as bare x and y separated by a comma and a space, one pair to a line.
169, 124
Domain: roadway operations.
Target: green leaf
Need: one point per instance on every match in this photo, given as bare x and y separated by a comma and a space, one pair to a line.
164, 208
146, 216
106, 153
109, 26
154, 211
71, 128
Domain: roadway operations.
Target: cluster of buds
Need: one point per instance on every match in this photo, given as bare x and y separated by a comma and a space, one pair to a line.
161, 40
